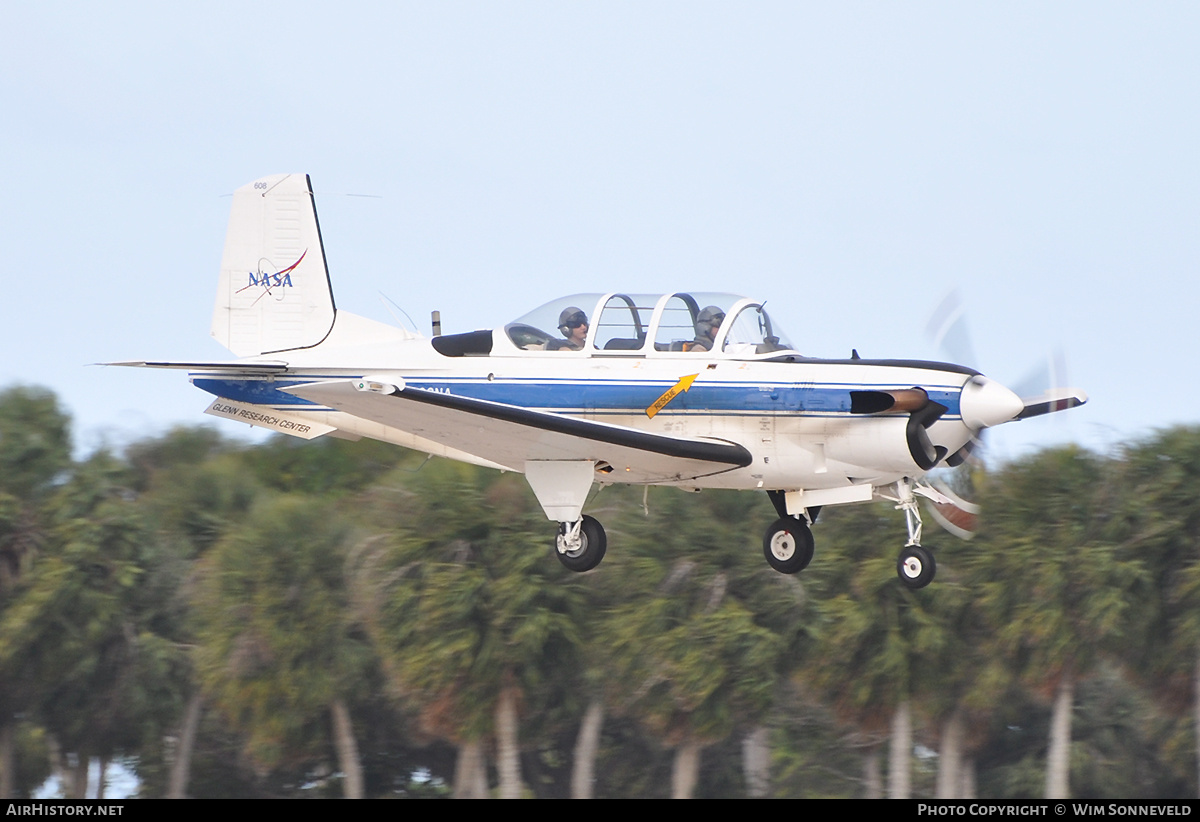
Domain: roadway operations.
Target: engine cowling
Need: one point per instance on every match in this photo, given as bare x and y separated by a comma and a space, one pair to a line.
922, 413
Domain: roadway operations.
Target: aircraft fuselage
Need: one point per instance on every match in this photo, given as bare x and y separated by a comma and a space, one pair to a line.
795, 419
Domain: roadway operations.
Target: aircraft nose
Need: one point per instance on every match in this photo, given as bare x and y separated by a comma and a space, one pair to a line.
985, 403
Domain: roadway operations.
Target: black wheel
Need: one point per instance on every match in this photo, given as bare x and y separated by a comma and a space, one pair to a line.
587, 554
916, 567
788, 545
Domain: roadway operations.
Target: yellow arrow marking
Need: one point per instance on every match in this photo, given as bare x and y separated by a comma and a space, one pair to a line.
671, 393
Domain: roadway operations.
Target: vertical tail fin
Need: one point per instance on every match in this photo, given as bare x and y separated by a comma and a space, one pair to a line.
274, 293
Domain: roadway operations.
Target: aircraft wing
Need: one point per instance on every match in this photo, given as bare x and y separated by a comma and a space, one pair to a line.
511, 435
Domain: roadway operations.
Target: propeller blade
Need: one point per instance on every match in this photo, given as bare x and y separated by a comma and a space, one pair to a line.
947, 330
965, 453
1047, 375
954, 514
1049, 402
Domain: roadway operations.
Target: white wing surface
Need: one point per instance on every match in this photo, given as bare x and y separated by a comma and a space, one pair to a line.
511, 436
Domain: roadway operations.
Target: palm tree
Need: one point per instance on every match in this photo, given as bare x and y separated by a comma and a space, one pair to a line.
473, 619
194, 486
280, 652
81, 628
700, 635
879, 641
1052, 580
1159, 519
35, 448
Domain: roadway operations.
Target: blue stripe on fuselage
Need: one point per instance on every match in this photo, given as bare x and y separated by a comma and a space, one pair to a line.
578, 396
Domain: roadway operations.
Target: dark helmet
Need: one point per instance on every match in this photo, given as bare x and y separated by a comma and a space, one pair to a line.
571, 317
709, 320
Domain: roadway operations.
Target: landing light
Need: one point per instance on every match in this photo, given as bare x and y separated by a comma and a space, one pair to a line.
374, 385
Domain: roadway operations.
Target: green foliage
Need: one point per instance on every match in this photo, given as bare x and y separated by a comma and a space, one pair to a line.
277, 640
877, 638
1122, 747
180, 449
698, 632
282, 576
35, 441
74, 639
324, 466
461, 607
691, 661
1047, 568
31, 758
1118, 742
35, 450
814, 756
1159, 520
20, 536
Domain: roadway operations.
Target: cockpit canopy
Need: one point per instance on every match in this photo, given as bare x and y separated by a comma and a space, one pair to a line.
640, 323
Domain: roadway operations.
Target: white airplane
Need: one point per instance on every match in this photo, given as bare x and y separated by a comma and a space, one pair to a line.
686, 389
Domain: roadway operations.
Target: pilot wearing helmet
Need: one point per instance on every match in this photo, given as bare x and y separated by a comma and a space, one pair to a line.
708, 321
573, 324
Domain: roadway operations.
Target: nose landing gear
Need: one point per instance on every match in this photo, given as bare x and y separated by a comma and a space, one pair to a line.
915, 567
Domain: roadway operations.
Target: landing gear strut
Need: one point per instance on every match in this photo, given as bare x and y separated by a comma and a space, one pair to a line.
788, 545
580, 545
915, 567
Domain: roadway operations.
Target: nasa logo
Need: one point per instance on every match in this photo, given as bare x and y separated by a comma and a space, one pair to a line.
278, 279
270, 280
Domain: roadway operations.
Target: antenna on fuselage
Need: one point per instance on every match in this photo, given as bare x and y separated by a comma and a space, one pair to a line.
385, 299
436, 317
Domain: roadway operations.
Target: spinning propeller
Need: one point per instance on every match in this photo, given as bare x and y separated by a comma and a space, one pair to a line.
986, 403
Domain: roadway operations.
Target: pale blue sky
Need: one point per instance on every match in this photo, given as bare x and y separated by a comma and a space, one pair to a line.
848, 162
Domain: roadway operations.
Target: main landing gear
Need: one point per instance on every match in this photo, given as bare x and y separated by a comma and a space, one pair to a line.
788, 545
580, 545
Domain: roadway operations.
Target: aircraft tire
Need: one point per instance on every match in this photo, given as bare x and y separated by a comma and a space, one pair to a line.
788, 545
916, 567
592, 545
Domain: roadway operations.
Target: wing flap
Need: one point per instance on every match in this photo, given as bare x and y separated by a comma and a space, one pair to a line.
511, 435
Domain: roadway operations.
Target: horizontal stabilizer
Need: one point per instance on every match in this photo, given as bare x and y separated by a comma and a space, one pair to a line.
231, 367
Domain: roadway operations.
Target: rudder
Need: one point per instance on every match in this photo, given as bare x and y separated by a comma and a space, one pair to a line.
274, 292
